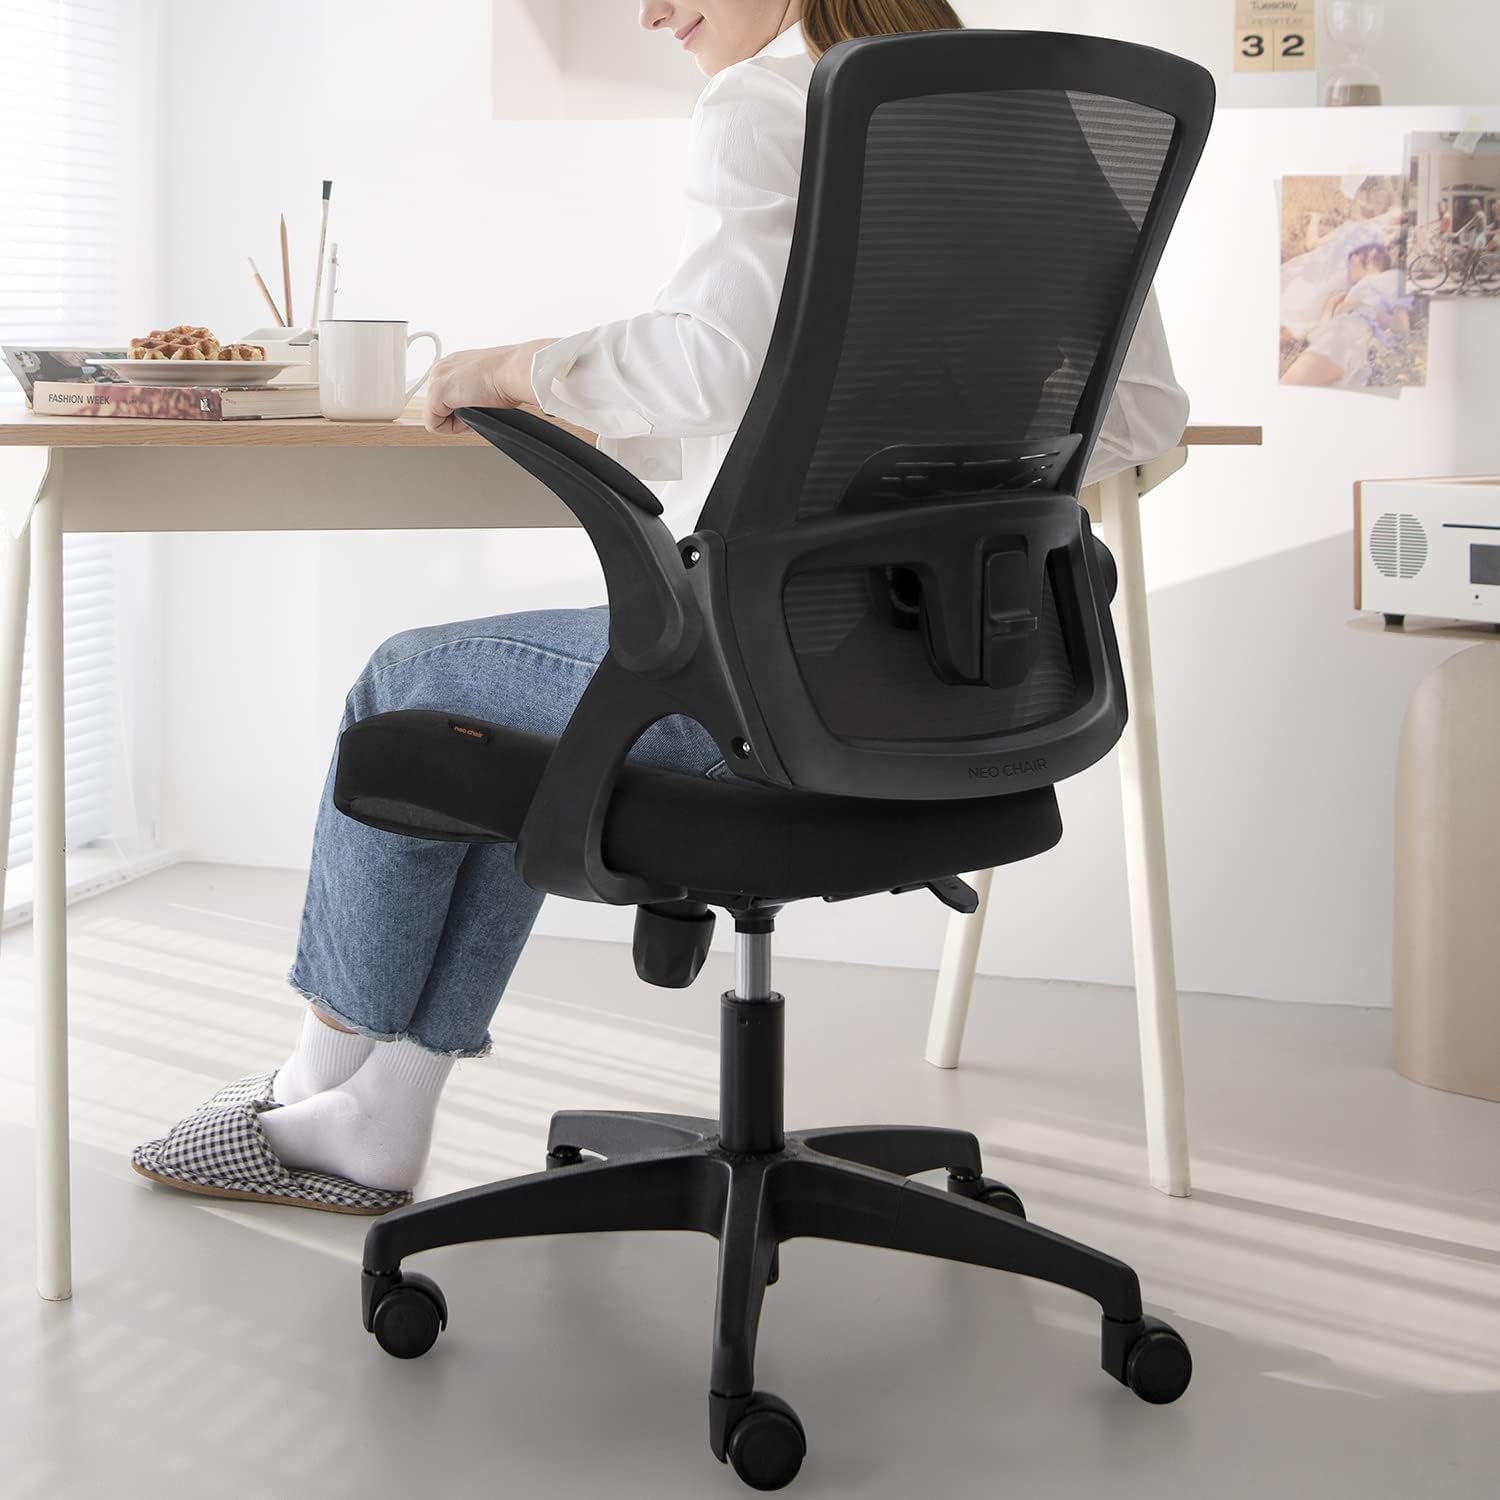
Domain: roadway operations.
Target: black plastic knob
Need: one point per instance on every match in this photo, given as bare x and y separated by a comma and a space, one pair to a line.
671, 942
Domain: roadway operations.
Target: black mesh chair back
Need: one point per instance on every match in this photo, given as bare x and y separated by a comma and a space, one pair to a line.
893, 608
904, 563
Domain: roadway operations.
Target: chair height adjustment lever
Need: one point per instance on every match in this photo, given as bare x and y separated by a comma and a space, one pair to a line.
957, 894
954, 893
949, 889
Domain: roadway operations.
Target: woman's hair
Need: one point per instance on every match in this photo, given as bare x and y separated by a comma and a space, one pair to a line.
826, 22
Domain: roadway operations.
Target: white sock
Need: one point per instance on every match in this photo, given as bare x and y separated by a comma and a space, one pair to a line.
374, 1129
323, 1058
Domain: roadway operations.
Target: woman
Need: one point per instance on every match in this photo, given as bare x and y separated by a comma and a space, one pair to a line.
1371, 312
1327, 264
405, 946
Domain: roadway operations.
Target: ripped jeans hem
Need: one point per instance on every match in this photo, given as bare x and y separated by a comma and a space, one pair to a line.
320, 1004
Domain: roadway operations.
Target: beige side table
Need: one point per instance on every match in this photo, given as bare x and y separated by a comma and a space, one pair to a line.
1445, 979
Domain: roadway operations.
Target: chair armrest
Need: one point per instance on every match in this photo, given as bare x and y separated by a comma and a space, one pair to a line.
653, 617
654, 666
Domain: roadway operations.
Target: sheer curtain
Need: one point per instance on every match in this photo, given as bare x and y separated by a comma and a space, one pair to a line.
69, 76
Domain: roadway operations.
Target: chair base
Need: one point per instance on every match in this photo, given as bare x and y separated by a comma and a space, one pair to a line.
656, 1171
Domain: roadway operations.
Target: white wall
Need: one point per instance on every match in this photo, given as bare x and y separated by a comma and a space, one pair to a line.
1278, 724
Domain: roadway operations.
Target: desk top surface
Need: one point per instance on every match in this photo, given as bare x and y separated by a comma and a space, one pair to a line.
20, 428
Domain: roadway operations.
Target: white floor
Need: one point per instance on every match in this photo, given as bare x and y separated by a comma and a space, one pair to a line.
1337, 1273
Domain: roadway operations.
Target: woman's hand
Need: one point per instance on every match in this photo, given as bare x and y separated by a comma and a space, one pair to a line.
480, 377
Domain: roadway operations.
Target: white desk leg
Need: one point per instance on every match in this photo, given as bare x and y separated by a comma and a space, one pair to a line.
955, 984
1146, 854
15, 581
54, 1273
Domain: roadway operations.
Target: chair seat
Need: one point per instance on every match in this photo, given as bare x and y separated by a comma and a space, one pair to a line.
431, 775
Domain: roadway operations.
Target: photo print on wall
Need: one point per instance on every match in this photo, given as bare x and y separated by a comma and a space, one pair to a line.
1349, 320
1453, 231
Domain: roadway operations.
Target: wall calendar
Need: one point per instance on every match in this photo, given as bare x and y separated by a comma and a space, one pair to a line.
1275, 36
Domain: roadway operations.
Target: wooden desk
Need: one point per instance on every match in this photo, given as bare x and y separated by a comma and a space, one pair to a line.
123, 474
1116, 505
21, 428
117, 474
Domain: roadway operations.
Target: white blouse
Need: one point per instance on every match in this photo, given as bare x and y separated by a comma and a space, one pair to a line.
666, 390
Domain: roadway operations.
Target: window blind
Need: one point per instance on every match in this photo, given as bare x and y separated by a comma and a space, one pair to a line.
60, 238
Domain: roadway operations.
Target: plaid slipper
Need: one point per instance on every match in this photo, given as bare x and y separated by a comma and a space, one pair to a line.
224, 1153
256, 1090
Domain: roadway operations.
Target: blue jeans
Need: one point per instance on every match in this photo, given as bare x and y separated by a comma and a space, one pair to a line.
403, 937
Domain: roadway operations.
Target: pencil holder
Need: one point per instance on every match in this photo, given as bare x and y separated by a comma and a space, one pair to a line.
291, 346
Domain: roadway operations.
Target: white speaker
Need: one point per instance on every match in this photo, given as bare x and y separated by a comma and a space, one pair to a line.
1428, 547
1398, 545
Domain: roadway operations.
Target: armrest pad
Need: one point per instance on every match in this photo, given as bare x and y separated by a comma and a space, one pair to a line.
564, 447
653, 618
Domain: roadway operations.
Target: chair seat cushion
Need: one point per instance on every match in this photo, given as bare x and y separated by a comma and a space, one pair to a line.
431, 775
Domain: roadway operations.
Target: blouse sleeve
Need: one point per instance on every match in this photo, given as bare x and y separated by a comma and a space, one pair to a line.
1149, 410
688, 367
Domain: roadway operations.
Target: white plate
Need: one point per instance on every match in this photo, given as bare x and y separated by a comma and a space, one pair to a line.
197, 371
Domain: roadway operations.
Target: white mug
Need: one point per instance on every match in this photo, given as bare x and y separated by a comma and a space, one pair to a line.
362, 368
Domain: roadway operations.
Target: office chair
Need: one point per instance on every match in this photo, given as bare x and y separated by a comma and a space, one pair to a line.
893, 619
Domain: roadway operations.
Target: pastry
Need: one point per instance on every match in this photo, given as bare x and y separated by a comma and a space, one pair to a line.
183, 342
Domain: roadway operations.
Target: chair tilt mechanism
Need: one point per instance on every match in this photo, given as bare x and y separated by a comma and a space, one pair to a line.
893, 619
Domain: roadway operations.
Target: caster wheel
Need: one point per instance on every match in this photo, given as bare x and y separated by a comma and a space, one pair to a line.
1158, 1366
563, 1156
986, 1190
767, 1445
409, 1317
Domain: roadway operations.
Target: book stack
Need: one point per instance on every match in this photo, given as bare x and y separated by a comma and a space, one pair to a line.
179, 403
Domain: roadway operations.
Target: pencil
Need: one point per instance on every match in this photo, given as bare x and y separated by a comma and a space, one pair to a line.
322, 241
265, 292
286, 276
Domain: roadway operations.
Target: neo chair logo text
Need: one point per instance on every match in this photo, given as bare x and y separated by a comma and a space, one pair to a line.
1010, 768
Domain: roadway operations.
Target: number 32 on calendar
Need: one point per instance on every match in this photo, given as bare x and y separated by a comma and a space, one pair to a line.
1275, 36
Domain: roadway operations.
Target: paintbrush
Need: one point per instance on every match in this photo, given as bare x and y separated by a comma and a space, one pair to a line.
322, 243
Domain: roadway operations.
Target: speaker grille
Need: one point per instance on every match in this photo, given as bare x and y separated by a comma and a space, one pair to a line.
1398, 545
